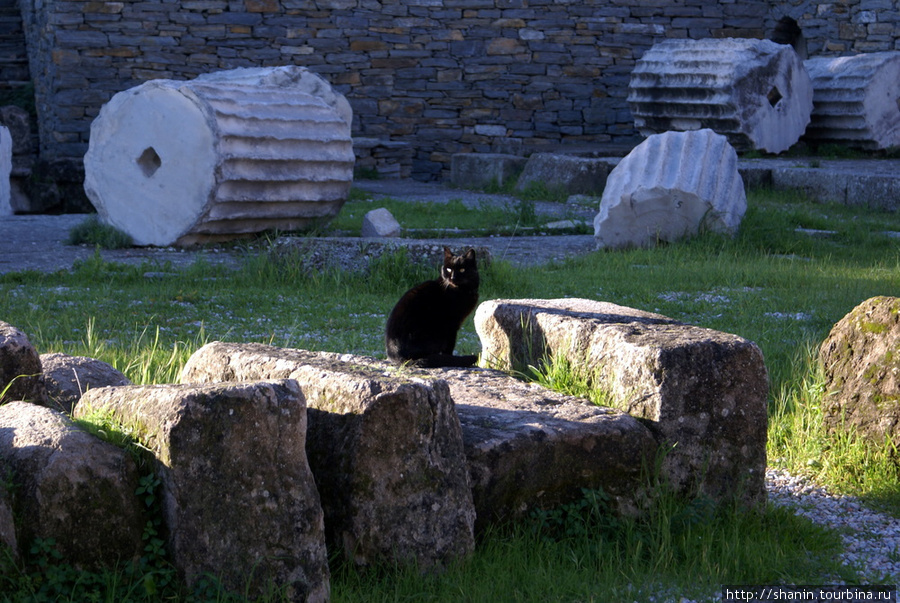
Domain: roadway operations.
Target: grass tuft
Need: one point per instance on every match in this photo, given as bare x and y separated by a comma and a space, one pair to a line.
94, 232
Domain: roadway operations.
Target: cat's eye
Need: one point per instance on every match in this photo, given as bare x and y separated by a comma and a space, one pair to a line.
462, 270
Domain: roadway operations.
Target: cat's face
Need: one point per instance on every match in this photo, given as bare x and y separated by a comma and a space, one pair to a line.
459, 270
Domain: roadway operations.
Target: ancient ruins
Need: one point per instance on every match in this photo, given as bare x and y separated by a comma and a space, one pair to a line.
286, 456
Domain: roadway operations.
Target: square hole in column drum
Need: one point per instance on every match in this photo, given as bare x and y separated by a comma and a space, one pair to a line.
149, 161
774, 96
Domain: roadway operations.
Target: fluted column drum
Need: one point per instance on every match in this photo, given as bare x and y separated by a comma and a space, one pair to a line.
755, 92
226, 154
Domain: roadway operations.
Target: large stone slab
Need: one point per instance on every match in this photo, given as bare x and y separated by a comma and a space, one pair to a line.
861, 360
531, 448
70, 487
226, 154
855, 100
755, 92
671, 186
20, 367
701, 391
385, 446
239, 499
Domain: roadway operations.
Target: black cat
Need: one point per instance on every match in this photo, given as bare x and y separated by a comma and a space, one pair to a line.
422, 327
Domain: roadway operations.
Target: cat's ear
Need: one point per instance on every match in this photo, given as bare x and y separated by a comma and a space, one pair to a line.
447, 253
470, 254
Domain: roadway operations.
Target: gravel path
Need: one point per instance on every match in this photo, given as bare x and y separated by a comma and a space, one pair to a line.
871, 539
38, 242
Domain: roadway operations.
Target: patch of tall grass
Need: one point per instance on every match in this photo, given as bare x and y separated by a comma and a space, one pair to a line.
677, 549
799, 441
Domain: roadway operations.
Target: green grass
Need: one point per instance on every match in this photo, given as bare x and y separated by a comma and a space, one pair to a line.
770, 284
94, 232
421, 219
677, 550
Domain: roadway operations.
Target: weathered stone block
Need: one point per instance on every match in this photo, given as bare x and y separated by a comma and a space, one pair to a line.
385, 447
226, 154
861, 359
239, 500
66, 378
755, 92
671, 186
571, 173
855, 100
530, 448
20, 367
701, 391
71, 487
480, 170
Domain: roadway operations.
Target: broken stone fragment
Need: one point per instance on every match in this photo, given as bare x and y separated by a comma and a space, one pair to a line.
530, 448
570, 173
380, 223
482, 170
671, 186
66, 378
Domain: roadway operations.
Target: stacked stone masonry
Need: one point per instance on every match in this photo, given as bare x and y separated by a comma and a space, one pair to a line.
446, 76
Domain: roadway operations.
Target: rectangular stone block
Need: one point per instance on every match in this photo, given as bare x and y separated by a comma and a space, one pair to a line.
386, 450
702, 392
239, 499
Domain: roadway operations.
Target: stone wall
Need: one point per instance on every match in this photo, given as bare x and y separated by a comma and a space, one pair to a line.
842, 27
446, 76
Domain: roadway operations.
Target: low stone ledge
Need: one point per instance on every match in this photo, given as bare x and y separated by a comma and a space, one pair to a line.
239, 500
531, 448
69, 486
574, 174
702, 391
480, 170
385, 447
